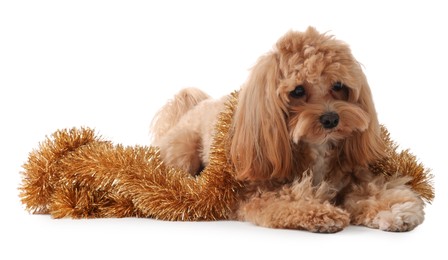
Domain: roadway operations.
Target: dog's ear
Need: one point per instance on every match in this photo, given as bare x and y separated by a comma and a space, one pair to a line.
260, 145
367, 146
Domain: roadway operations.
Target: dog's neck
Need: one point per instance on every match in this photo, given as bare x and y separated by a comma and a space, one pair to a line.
321, 158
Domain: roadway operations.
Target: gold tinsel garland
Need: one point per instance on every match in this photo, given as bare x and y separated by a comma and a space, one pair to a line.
76, 174
404, 163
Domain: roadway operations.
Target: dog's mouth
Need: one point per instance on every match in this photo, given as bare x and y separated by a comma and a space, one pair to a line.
332, 136
317, 134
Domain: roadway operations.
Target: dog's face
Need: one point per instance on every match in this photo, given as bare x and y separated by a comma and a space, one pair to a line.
322, 113
320, 84
309, 90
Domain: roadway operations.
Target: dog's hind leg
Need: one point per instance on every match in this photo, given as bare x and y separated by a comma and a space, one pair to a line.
180, 149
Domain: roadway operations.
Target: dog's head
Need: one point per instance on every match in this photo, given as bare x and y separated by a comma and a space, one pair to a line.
309, 90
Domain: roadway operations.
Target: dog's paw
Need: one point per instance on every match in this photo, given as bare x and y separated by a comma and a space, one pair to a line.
400, 217
325, 219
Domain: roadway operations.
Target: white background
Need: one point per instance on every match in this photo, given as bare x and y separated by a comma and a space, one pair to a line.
110, 65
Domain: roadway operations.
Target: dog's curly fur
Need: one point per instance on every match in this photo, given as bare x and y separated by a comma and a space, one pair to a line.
304, 133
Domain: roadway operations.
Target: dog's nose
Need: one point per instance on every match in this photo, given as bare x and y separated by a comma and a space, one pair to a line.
329, 120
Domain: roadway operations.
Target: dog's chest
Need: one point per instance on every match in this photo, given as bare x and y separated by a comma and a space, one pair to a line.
321, 157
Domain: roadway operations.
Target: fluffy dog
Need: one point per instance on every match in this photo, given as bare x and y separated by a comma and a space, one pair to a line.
303, 135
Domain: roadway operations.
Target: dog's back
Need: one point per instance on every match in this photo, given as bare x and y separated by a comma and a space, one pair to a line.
170, 114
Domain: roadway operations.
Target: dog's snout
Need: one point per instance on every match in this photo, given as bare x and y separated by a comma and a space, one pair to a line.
329, 120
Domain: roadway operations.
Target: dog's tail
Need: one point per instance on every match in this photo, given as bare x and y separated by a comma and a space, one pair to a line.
173, 110
41, 171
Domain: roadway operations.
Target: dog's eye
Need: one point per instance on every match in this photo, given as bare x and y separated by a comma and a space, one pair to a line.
298, 92
338, 86
340, 91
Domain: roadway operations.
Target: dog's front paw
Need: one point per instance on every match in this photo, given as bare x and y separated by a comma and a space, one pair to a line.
400, 217
324, 219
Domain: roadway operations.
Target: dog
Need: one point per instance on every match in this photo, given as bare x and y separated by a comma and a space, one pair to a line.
303, 135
